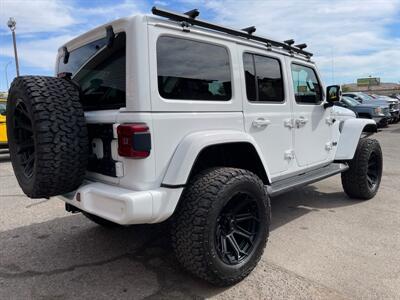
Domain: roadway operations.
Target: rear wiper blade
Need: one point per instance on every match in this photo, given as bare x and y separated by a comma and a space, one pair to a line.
66, 55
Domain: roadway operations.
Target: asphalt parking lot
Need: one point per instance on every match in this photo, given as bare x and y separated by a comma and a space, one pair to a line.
322, 246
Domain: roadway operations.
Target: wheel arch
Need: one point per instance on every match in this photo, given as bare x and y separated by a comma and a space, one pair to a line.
231, 149
350, 133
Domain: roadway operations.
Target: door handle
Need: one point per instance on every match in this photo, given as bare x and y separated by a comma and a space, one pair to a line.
261, 122
301, 121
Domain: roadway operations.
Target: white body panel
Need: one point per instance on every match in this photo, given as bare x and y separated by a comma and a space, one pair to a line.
273, 137
181, 129
348, 141
313, 131
123, 206
187, 151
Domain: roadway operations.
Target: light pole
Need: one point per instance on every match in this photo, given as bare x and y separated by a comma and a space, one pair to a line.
5, 70
12, 25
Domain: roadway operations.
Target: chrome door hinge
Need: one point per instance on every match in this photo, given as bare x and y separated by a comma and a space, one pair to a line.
288, 123
301, 121
289, 154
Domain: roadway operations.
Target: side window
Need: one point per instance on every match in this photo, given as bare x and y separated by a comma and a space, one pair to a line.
192, 70
263, 77
250, 76
306, 86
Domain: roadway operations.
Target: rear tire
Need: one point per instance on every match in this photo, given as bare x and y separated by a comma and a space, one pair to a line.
47, 135
362, 179
221, 225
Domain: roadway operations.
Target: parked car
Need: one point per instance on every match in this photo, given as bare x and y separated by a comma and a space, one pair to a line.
367, 99
150, 118
394, 106
365, 111
395, 96
3, 126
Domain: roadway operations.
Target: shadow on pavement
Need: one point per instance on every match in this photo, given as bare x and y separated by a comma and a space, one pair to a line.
71, 257
292, 205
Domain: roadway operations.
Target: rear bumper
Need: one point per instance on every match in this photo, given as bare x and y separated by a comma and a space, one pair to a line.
124, 206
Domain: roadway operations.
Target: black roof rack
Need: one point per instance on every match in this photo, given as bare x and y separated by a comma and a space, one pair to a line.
190, 18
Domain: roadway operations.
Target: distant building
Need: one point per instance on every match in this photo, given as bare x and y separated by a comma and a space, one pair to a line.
372, 85
3, 95
369, 81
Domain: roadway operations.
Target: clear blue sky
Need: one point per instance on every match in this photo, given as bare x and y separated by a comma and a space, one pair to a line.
350, 39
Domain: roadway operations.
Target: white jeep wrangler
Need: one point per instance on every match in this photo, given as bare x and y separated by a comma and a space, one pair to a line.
151, 118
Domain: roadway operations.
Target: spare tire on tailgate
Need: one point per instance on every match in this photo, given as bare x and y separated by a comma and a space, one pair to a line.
47, 135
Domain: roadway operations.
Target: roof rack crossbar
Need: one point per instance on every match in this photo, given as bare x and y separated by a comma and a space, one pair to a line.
193, 14
289, 42
301, 46
185, 18
249, 30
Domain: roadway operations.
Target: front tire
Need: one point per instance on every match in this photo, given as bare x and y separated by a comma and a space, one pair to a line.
221, 225
362, 179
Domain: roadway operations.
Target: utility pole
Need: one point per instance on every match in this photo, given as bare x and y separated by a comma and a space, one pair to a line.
12, 25
333, 66
5, 70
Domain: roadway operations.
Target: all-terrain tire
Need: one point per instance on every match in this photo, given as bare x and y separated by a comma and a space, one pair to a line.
47, 135
362, 179
100, 221
193, 227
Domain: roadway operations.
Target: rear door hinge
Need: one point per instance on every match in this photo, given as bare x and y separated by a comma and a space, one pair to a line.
288, 123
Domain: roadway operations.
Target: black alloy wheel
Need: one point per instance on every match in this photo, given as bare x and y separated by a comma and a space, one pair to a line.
24, 141
47, 135
363, 178
221, 225
373, 171
237, 229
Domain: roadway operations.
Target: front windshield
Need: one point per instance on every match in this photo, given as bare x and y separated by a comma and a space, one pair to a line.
350, 101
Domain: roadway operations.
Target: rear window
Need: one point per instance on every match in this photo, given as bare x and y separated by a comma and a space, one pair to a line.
100, 71
192, 70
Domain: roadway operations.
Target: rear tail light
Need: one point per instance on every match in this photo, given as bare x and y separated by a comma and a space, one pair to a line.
134, 140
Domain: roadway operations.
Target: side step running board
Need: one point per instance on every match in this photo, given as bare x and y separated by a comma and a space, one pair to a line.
290, 183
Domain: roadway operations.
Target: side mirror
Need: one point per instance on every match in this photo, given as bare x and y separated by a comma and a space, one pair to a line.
333, 94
